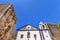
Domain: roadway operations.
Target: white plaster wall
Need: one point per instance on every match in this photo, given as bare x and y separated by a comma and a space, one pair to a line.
46, 33
37, 35
19, 35
25, 35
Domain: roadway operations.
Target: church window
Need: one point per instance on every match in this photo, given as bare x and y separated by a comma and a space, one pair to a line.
28, 35
43, 26
21, 35
34, 35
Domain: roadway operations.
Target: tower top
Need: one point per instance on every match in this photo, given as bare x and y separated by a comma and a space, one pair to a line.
41, 23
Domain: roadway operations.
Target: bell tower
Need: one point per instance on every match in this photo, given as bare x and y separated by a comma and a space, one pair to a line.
42, 26
44, 31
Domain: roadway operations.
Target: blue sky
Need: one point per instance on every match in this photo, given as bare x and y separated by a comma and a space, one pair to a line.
34, 11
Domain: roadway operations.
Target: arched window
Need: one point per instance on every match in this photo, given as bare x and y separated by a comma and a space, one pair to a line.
28, 35
21, 36
43, 26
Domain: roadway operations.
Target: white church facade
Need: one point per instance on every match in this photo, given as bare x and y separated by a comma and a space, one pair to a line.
29, 32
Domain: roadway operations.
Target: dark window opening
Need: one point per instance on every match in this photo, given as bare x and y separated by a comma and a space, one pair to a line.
34, 35
43, 26
9, 26
22, 36
28, 35
28, 27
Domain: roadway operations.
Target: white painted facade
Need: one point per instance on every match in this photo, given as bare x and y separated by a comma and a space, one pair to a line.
29, 32
32, 33
46, 35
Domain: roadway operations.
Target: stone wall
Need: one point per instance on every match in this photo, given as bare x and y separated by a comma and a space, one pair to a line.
7, 21
54, 30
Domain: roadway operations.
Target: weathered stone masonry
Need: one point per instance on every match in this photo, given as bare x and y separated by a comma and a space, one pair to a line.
7, 21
